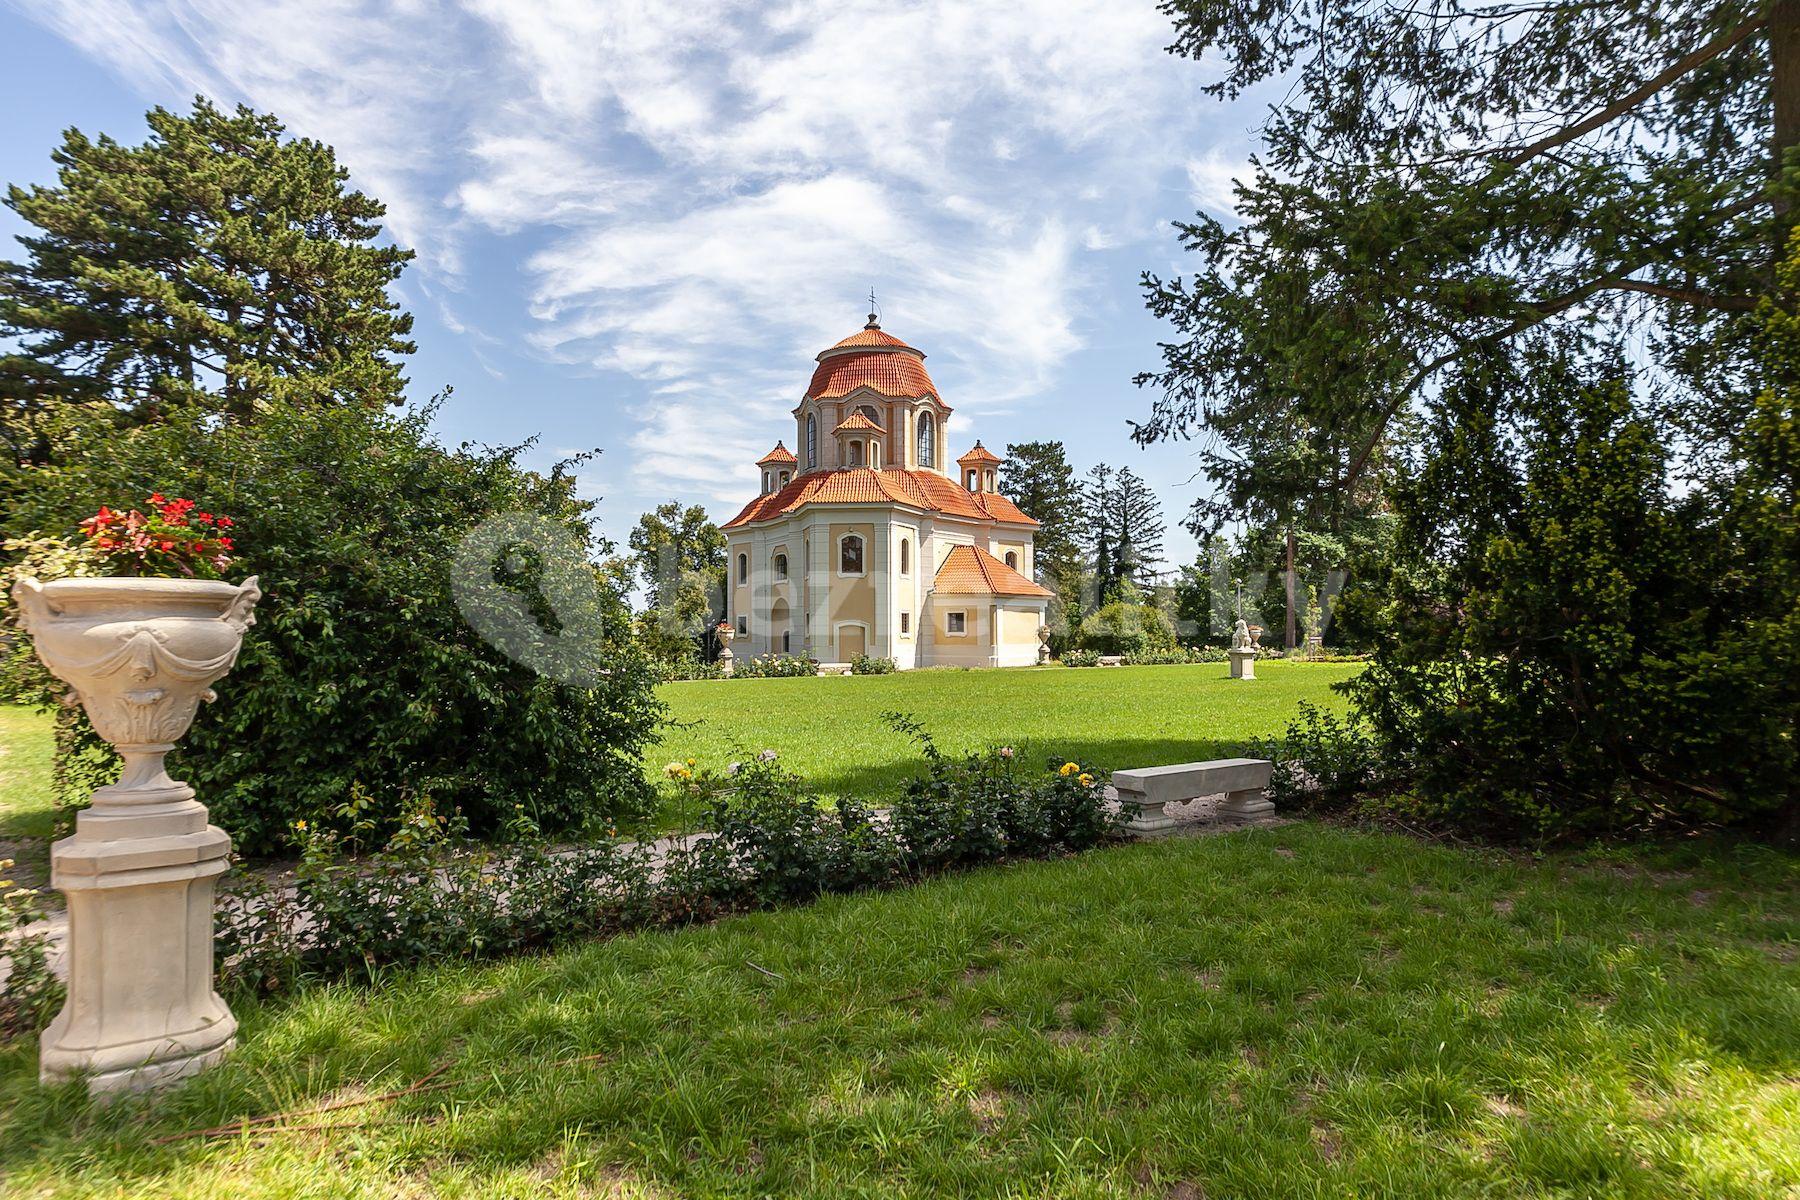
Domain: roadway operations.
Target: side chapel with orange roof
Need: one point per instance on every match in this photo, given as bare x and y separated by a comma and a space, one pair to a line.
863, 540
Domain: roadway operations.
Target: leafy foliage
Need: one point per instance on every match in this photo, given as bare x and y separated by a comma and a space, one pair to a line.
428, 894
871, 664
1127, 627
361, 674
679, 556
775, 666
30, 993
1555, 660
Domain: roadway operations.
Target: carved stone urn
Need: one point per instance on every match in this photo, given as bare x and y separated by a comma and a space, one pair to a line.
139, 871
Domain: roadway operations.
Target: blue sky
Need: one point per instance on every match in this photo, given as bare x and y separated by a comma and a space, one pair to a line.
636, 223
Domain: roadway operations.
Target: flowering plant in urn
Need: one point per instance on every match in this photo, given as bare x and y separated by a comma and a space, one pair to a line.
142, 650
141, 643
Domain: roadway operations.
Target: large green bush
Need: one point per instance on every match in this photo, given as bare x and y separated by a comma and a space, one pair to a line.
1123, 627
361, 678
1572, 647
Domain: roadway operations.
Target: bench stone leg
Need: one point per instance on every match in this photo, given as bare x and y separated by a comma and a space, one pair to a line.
1247, 805
1148, 819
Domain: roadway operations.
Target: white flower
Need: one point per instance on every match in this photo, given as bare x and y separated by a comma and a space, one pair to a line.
1006, 752
733, 768
765, 756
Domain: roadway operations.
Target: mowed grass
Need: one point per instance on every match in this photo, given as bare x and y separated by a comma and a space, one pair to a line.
833, 732
26, 748
1292, 1012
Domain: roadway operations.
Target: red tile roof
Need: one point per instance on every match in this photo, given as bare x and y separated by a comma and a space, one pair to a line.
871, 337
780, 454
980, 454
856, 422
887, 373
925, 490
972, 571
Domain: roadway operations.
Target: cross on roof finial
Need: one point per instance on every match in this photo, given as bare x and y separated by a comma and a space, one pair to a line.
874, 317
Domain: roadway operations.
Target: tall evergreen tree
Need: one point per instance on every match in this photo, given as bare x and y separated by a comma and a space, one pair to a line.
1037, 477
218, 265
1097, 503
1138, 523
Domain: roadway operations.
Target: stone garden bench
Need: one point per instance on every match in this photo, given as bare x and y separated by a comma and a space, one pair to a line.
1144, 792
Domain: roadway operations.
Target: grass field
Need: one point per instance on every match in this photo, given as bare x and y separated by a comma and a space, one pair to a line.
1297, 1012
25, 752
831, 730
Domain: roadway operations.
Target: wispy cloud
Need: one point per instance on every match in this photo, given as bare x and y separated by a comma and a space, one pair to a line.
707, 190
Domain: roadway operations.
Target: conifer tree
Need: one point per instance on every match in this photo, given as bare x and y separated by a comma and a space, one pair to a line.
218, 265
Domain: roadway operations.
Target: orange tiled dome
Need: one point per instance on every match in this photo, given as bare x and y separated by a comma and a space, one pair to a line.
873, 359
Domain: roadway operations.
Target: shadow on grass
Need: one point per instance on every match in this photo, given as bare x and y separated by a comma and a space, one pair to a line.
1309, 1009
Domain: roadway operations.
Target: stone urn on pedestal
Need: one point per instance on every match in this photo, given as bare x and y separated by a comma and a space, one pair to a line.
1043, 644
139, 871
727, 660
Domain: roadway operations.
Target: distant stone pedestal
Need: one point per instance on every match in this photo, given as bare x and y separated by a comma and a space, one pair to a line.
139, 871
1043, 644
727, 660
1243, 663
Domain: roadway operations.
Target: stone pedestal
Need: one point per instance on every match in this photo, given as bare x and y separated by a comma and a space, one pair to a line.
1243, 664
141, 1008
1246, 805
140, 869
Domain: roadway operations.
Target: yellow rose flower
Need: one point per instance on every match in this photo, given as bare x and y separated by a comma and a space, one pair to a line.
1069, 769
1085, 780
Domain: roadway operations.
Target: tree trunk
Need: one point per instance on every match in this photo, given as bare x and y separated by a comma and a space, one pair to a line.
1784, 85
1292, 640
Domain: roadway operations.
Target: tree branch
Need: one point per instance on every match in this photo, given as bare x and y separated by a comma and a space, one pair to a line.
1632, 99
1686, 295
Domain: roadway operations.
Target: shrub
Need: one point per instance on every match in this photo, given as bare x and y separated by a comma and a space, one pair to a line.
427, 893
361, 672
980, 808
775, 666
688, 668
869, 664
1080, 658
30, 992
776, 842
1557, 621
1323, 758
1122, 627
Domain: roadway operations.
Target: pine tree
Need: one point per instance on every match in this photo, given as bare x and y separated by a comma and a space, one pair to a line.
1138, 524
216, 265
1097, 504
1037, 477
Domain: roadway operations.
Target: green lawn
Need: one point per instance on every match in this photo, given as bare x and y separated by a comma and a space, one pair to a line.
1299, 1012
831, 730
26, 805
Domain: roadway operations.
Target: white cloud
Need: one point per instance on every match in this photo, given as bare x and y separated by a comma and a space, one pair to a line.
1212, 181
709, 190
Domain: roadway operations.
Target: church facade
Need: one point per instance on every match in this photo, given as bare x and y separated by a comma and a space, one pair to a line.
865, 540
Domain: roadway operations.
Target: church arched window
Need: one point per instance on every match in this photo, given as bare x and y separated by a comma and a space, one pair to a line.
1012, 559
927, 441
812, 441
906, 556
850, 554
868, 410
